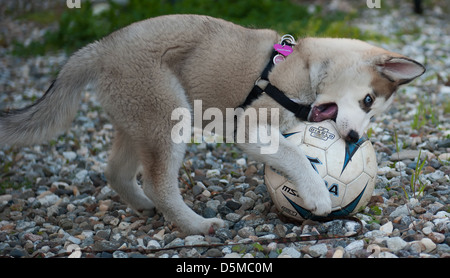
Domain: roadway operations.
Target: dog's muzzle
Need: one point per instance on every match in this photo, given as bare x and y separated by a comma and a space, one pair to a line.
352, 136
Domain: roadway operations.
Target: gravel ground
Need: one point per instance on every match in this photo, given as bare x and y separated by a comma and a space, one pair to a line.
54, 200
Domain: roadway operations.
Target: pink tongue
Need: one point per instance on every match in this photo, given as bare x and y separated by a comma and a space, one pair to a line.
323, 112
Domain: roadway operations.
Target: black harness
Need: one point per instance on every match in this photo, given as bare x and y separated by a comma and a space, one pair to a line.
300, 111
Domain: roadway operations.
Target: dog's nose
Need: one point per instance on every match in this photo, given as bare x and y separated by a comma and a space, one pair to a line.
352, 136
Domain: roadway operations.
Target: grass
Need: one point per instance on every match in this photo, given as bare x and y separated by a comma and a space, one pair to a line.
417, 187
425, 115
78, 27
416, 183
9, 179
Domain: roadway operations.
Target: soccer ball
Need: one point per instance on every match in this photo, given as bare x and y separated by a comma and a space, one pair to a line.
348, 170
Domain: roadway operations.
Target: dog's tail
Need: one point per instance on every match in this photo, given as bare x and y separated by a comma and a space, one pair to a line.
54, 111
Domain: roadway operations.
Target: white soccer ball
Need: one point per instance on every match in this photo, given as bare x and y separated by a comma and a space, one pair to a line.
349, 171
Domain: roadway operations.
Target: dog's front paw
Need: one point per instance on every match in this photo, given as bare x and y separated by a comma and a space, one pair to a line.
211, 225
319, 206
200, 225
317, 198
143, 206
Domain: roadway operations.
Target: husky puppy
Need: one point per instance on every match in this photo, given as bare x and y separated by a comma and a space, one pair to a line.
145, 71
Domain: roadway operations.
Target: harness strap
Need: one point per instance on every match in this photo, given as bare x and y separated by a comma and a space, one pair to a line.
300, 111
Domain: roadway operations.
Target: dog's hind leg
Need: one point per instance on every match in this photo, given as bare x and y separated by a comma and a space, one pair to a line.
161, 163
121, 173
142, 107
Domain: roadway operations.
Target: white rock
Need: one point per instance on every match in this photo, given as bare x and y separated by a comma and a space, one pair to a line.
355, 246
427, 230
75, 255
74, 240
284, 256
387, 255
123, 225
153, 244
428, 244
272, 246
71, 207
140, 242
87, 233
291, 252
48, 200
444, 90
396, 243
212, 173
99, 8
5, 198
383, 170
411, 154
213, 204
436, 175
233, 255
124, 246
387, 228
206, 193
159, 235
60, 184
339, 253
413, 202
375, 234
351, 226
194, 240
227, 250
69, 155
81, 175
175, 242
72, 247
442, 214
241, 162
444, 156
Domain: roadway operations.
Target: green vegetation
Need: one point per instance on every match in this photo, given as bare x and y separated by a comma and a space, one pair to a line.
417, 186
426, 114
77, 27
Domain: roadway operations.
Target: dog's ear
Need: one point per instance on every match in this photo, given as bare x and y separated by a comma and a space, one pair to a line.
400, 69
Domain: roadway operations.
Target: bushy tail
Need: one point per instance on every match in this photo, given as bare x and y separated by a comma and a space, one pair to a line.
53, 112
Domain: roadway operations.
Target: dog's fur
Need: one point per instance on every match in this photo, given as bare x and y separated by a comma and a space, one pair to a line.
146, 70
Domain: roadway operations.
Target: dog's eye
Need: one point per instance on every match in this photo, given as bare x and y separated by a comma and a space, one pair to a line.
368, 101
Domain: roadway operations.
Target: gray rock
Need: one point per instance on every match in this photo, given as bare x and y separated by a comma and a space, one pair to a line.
70, 155
354, 247
120, 255
318, 250
214, 252
74, 240
400, 211
291, 252
396, 244
408, 154
233, 217
48, 200
245, 232
17, 253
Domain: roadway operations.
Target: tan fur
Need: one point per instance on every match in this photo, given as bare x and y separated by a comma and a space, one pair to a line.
146, 70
